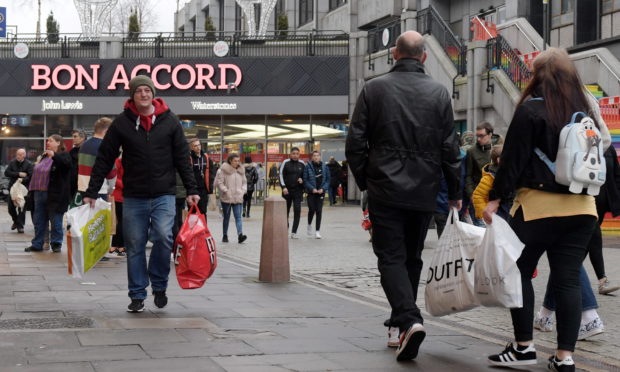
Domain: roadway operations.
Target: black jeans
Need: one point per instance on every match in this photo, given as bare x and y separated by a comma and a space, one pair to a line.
595, 249
333, 194
315, 205
294, 198
247, 202
118, 240
565, 239
19, 218
440, 222
398, 239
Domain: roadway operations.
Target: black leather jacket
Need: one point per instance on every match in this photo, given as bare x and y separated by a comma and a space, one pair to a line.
401, 137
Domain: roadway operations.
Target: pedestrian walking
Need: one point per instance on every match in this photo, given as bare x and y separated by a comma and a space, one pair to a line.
88, 155
204, 172
154, 148
400, 139
118, 241
51, 187
251, 176
273, 175
291, 181
480, 196
334, 179
78, 137
19, 168
316, 181
260, 185
478, 156
230, 180
545, 215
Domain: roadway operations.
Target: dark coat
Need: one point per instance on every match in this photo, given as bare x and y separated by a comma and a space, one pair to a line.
203, 186
310, 178
74, 169
402, 137
520, 166
334, 173
608, 199
14, 168
251, 175
150, 159
59, 188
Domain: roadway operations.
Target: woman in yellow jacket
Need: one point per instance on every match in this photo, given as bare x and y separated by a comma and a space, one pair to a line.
480, 196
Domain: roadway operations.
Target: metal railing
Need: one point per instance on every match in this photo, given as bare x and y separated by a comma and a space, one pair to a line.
501, 55
273, 44
51, 46
430, 22
375, 36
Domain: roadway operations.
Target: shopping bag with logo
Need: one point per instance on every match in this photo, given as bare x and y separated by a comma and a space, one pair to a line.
497, 277
88, 236
450, 282
194, 251
76, 201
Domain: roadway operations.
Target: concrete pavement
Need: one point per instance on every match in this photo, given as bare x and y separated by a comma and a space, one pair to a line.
328, 318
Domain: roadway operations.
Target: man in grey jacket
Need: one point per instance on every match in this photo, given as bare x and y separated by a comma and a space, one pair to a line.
400, 140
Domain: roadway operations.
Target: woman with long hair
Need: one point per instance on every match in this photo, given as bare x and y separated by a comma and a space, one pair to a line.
50, 184
545, 215
230, 180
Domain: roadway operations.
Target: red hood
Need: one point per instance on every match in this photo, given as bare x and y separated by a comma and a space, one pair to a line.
147, 121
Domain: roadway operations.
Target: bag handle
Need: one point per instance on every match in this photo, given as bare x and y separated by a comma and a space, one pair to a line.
572, 120
193, 208
453, 217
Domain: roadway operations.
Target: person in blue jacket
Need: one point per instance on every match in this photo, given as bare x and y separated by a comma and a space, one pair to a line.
316, 182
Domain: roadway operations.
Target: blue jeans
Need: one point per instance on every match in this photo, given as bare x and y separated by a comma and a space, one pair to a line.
41, 218
588, 301
148, 219
236, 208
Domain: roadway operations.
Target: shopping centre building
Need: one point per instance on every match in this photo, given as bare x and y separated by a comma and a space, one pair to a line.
242, 81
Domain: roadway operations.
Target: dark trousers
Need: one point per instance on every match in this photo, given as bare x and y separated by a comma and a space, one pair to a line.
595, 249
315, 205
19, 218
178, 217
440, 222
333, 193
118, 240
565, 239
398, 239
247, 202
294, 198
203, 202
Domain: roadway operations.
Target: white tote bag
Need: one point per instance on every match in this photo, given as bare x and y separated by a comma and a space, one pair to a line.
450, 281
497, 277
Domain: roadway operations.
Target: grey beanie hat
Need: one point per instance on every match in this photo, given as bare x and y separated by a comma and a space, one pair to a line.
140, 80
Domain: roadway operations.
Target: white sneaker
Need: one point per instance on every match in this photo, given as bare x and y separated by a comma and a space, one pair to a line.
318, 235
309, 230
543, 323
393, 337
294, 236
590, 329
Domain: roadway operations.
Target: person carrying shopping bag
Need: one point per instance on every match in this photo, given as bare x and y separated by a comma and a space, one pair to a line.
230, 180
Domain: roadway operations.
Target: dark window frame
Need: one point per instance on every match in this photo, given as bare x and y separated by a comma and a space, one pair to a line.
335, 4
306, 11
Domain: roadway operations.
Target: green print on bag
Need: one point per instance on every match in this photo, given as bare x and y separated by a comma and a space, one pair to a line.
96, 238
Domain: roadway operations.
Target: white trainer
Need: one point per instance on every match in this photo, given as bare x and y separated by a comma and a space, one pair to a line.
393, 337
543, 323
294, 236
318, 235
310, 230
590, 329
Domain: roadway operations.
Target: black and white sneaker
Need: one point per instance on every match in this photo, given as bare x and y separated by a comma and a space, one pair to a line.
521, 356
410, 342
161, 300
566, 365
136, 306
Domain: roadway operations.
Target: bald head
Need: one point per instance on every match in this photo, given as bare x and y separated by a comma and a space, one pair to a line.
410, 44
20, 154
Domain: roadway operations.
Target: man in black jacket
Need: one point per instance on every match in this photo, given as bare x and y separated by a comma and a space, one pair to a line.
204, 173
291, 180
400, 139
18, 168
154, 148
334, 179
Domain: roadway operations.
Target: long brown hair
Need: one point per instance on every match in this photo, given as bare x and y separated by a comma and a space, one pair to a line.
557, 81
58, 138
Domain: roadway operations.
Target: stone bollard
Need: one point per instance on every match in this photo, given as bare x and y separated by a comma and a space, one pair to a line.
274, 263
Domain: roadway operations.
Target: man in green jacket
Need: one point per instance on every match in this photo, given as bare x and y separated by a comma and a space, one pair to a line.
477, 157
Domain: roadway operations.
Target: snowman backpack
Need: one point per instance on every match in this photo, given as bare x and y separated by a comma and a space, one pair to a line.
580, 163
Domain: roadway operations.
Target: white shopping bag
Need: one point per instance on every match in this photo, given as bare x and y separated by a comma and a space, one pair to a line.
450, 282
497, 277
18, 194
88, 236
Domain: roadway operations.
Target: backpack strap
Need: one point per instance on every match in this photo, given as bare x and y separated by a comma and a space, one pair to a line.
545, 159
572, 120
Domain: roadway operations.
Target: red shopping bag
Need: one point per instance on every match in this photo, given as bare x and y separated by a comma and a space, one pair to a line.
194, 251
340, 191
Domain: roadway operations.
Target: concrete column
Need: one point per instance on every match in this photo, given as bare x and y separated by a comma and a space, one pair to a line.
274, 260
476, 65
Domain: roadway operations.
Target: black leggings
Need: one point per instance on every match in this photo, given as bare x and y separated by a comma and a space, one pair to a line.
315, 205
595, 249
565, 239
247, 202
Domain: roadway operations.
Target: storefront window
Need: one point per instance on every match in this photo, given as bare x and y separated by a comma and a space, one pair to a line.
12, 126
34, 148
59, 124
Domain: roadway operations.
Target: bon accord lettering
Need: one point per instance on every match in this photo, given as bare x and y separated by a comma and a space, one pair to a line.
79, 77
434, 272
